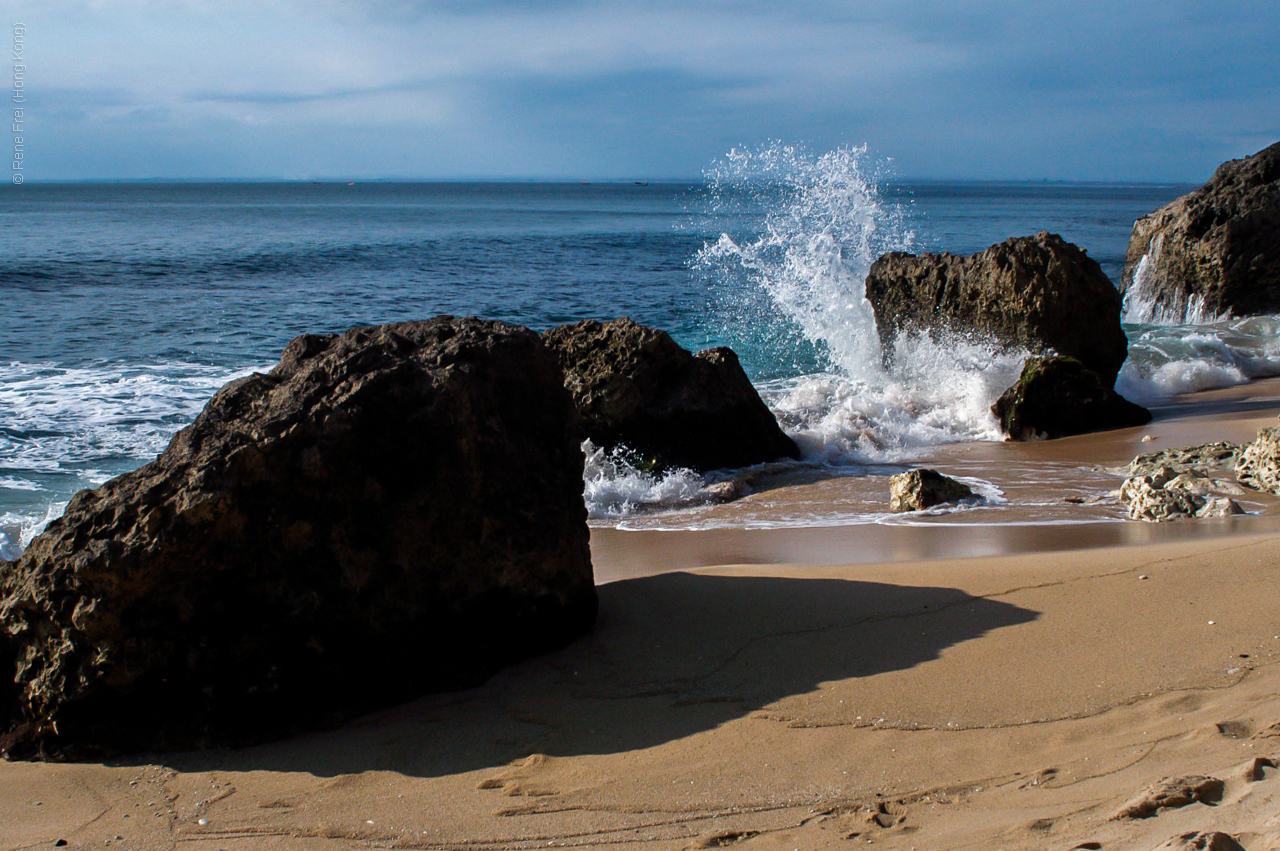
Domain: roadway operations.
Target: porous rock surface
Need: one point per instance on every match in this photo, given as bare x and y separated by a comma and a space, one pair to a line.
1204, 459
916, 490
388, 511
1166, 494
1258, 464
637, 388
1060, 396
1212, 253
1040, 293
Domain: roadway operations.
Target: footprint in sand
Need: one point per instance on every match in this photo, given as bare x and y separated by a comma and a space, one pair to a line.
1256, 769
514, 785
1040, 778
724, 838
887, 814
1235, 729
1170, 793
1208, 841
1270, 731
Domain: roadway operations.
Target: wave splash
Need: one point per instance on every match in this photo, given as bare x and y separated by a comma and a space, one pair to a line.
1143, 306
63, 429
1166, 360
788, 272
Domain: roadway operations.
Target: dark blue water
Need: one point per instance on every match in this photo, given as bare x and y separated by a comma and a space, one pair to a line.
225, 274
126, 305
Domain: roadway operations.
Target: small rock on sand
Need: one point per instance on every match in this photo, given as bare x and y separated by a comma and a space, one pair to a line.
919, 489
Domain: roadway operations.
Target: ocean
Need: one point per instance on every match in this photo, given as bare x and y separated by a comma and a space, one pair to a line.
127, 305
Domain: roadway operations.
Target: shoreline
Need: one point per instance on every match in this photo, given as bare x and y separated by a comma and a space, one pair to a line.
1035, 477
959, 686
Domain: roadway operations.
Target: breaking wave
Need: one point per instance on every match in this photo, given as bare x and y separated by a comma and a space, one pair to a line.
1142, 306
63, 429
1166, 360
801, 231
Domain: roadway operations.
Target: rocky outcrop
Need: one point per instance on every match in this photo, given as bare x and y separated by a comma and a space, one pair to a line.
1204, 460
1040, 293
917, 490
389, 511
1213, 253
1166, 494
635, 387
1258, 464
1057, 397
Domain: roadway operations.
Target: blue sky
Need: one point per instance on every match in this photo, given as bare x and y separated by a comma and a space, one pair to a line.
643, 88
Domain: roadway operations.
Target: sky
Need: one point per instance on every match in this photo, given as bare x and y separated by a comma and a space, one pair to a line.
642, 89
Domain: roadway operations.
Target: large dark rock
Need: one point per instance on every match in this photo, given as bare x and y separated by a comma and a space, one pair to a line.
635, 387
1212, 253
389, 511
1037, 292
1057, 397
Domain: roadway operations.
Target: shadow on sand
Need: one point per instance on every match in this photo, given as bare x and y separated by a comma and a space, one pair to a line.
671, 656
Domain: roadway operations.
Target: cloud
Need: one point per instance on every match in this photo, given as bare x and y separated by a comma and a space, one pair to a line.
988, 88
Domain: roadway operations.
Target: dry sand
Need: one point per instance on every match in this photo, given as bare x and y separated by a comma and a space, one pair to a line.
1013, 701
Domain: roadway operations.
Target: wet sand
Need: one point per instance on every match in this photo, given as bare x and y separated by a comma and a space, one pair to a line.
852, 523
826, 689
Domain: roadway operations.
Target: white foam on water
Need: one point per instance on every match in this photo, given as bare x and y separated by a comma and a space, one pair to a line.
63, 429
16, 484
1166, 360
822, 222
53, 417
614, 487
804, 516
18, 529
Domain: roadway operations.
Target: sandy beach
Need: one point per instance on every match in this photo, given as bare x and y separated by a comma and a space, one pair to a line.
941, 685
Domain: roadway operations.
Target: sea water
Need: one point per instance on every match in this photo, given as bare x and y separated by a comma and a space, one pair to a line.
127, 305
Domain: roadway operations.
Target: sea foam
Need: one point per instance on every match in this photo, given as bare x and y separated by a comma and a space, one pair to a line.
63, 429
1165, 360
789, 273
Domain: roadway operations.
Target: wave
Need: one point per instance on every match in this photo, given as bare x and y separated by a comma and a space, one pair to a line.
1143, 306
63, 429
789, 271
614, 487
1167, 360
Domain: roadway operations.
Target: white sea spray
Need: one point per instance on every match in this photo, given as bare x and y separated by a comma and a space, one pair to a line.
1143, 306
805, 230
614, 487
